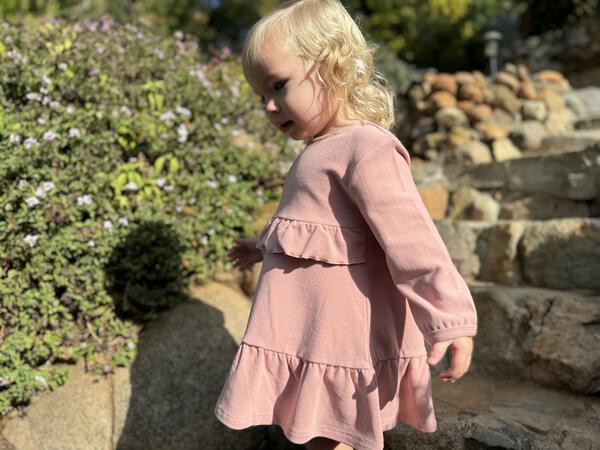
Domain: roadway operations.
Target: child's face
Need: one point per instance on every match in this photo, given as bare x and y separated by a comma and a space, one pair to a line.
294, 101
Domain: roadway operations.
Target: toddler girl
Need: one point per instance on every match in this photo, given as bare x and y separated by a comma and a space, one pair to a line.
355, 277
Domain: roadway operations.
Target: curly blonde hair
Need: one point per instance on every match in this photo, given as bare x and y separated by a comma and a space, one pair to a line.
322, 33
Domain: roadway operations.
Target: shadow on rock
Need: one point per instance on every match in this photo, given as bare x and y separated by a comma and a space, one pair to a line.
166, 400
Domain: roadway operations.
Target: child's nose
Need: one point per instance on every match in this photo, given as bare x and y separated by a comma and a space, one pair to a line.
271, 106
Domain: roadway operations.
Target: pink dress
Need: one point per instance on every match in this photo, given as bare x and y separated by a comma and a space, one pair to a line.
355, 278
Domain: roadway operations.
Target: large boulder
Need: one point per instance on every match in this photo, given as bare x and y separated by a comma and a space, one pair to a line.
165, 400
499, 412
540, 334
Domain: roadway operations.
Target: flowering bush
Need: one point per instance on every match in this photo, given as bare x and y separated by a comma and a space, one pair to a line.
127, 165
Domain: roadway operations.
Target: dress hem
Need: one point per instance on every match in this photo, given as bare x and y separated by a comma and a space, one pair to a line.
297, 437
302, 437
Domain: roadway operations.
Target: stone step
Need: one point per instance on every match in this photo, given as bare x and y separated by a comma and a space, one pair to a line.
548, 336
164, 401
480, 411
574, 175
576, 140
557, 254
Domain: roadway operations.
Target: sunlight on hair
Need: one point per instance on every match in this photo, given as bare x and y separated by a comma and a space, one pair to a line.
323, 34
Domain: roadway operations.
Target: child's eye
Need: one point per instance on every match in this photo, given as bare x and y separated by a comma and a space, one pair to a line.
277, 86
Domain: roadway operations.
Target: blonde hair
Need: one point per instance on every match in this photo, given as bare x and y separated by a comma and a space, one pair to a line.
322, 33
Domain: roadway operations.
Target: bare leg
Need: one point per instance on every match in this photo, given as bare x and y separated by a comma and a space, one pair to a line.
321, 443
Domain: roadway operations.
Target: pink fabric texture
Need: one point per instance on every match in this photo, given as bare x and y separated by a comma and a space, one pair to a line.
355, 279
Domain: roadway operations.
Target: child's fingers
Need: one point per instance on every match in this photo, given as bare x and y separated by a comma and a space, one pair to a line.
461, 359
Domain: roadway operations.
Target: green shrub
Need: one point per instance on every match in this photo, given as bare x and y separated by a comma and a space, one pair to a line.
128, 164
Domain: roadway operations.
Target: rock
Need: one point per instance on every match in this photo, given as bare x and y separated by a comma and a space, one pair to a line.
550, 76
572, 175
497, 250
460, 135
571, 141
482, 411
542, 207
450, 117
560, 121
423, 126
595, 207
554, 102
165, 400
429, 78
435, 198
441, 99
562, 253
490, 131
544, 335
523, 72
460, 238
429, 141
471, 91
503, 149
465, 106
528, 135
417, 92
444, 82
503, 97
479, 113
501, 117
470, 204
527, 90
463, 77
477, 152
480, 77
509, 80
585, 103
77, 415
534, 110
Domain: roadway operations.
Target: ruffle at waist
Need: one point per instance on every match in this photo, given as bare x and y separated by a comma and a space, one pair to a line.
301, 239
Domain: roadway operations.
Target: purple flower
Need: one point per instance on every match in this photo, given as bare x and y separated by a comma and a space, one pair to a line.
131, 186
32, 201
183, 111
50, 136
182, 134
48, 186
84, 200
30, 142
31, 239
167, 116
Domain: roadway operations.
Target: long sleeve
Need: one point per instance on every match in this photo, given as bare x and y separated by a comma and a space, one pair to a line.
382, 186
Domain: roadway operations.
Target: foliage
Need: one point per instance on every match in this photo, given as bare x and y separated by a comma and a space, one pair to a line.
540, 15
433, 33
127, 166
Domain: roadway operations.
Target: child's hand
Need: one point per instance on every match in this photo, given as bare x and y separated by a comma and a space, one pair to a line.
244, 253
461, 348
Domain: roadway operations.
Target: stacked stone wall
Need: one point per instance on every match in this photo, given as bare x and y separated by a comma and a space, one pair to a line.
467, 118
